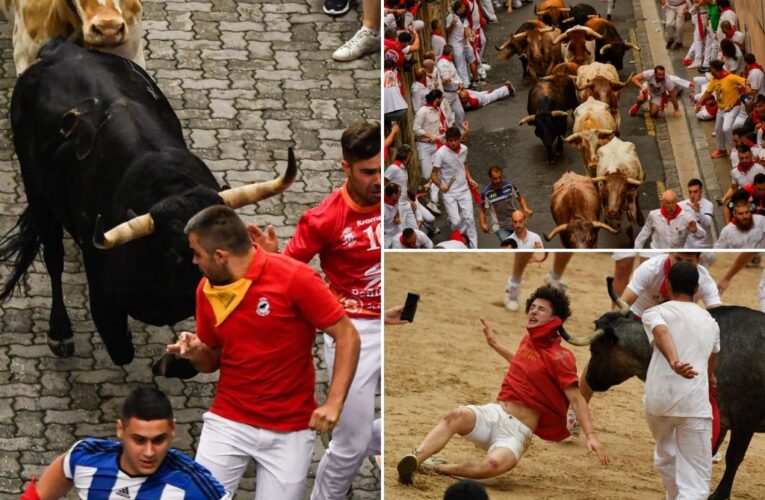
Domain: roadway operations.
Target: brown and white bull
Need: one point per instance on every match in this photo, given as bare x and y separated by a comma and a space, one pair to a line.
611, 47
619, 175
552, 12
578, 44
535, 45
601, 81
112, 26
594, 126
575, 207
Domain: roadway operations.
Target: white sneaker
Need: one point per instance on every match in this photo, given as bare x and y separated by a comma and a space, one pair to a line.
433, 208
572, 423
558, 284
429, 465
485, 67
511, 297
363, 42
717, 458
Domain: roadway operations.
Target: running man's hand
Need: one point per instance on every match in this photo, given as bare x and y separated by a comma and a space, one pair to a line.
685, 370
267, 240
325, 417
594, 445
187, 346
677, 113
692, 227
723, 285
393, 316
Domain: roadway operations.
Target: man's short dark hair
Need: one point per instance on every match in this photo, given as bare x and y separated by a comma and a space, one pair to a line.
557, 298
508, 243
447, 50
434, 94
760, 99
408, 232
750, 59
403, 152
739, 131
659, 67
218, 227
405, 37
495, 168
740, 197
361, 141
695, 182
457, 4
434, 24
722, 4
146, 403
467, 489
743, 148
717, 65
392, 189
453, 133
683, 278
759, 178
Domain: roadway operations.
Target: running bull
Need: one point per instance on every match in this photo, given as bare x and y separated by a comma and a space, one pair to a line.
101, 147
619, 350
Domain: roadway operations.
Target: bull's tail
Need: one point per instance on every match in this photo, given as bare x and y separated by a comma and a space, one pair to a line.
19, 245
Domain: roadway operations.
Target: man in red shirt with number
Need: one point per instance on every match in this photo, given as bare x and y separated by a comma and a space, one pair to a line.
345, 230
257, 314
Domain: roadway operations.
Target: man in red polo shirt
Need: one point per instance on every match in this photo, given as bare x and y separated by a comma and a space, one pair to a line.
257, 314
345, 230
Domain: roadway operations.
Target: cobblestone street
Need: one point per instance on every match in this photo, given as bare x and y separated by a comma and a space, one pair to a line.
247, 79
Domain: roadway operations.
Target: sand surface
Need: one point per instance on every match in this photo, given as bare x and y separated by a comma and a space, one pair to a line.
442, 361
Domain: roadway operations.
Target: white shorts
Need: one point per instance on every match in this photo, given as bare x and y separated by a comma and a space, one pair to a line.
494, 427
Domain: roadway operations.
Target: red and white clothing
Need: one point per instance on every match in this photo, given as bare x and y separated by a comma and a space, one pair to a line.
755, 78
429, 120
732, 237
398, 174
390, 212
449, 72
478, 99
668, 231
347, 239
419, 91
650, 283
458, 200
422, 241
704, 217
744, 175
437, 43
456, 38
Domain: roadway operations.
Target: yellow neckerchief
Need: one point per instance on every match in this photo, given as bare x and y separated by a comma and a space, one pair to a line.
224, 299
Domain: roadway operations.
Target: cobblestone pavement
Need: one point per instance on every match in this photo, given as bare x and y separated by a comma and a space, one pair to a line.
247, 79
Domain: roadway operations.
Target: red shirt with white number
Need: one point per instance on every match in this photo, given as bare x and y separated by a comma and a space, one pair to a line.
347, 238
266, 364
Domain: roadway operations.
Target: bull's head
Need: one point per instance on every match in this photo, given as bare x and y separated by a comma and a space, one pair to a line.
548, 126
552, 14
619, 348
615, 189
107, 23
173, 212
580, 233
615, 52
577, 38
588, 142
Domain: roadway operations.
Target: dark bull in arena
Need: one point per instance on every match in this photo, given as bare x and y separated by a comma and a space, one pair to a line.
99, 143
619, 350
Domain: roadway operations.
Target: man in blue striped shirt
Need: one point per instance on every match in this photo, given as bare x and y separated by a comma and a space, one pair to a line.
140, 466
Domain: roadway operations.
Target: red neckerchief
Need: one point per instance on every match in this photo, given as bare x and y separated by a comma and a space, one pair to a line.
753, 66
546, 335
438, 32
457, 151
664, 290
398, 164
725, 9
389, 200
448, 58
756, 120
441, 116
456, 236
472, 101
730, 33
744, 169
669, 218
723, 74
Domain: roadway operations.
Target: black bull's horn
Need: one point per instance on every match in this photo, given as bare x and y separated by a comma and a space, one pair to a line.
143, 225
589, 339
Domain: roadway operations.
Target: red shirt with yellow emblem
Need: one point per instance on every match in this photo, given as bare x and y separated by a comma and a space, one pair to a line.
347, 238
266, 366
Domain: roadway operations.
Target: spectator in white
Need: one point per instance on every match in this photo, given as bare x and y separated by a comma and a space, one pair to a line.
476, 41
744, 172
451, 173
740, 137
669, 226
429, 129
657, 87
674, 17
732, 34
725, 87
399, 46
701, 33
419, 217
367, 38
410, 41
419, 89
527, 240
395, 106
391, 217
432, 75
732, 57
437, 38
397, 173
726, 14
702, 210
685, 340
746, 230
452, 85
457, 36
500, 198
474, 99
488, 8
755, 75
411, 238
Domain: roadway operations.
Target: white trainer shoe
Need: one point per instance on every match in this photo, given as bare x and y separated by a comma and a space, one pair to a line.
511, 297
363, 42
717, 458
558, 284
433, 208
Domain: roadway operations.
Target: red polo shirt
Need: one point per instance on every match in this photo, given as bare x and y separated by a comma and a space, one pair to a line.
266, 365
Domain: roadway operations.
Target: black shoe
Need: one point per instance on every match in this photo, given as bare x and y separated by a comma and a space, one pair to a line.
336, 7
678, 45
703, 69
608, 16
668, 46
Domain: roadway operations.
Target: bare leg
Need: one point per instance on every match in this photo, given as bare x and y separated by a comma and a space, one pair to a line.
371, 9
498, 461
458, 421
520, 262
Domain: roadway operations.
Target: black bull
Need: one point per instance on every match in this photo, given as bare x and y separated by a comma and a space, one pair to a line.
98, 143
622, 351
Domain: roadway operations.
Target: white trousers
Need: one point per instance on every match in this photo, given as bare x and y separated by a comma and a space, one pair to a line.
357, 435
488, 9
724, 127
682, 455
459, 210
461, 63
675, 17
486, 98
459, 112
700, 22
226, 447
762, 292
427, 153
712, 47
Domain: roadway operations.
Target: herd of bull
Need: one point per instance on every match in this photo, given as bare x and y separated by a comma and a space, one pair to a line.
573, 57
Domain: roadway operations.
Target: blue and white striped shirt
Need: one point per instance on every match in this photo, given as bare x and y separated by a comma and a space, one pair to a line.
93, 466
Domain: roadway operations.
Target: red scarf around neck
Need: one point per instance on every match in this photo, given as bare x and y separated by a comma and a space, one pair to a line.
438, 32
441, 115
472, 101
669, 218
389, 200
750, 67
723, 74
447, 58
546, 335
398, 164
744, 168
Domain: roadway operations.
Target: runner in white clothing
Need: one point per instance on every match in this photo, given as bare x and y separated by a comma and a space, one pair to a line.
526, 240
452, 84
685, 339
419, 89
457, 35
702, 210
410, 239
474, 99
746, 230
669, 226
429, 129
451, 174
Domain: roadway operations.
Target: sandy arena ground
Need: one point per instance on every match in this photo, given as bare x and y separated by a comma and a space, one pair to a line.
442, 361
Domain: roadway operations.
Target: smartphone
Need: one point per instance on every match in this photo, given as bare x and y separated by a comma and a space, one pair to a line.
410, 307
